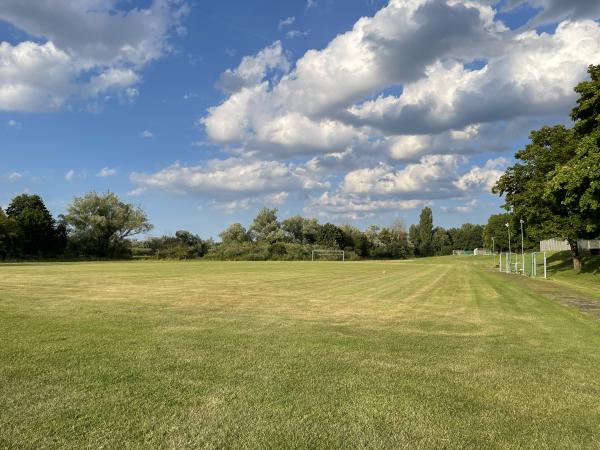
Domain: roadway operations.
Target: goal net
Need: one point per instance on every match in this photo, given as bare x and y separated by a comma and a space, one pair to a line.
328, 255
539, 266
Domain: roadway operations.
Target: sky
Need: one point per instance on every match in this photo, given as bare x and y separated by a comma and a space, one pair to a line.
351, 111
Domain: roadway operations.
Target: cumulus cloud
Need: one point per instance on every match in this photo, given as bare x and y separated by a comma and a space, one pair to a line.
483, 177
432, 174
84, 49
230, 177
355, 207
253, 69
70, 175
536, 77
147, 134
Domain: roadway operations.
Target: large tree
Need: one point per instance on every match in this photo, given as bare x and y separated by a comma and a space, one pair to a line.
101, 223
495, 233
426, 232
235, 233
554, 186
39, 233
10, 237
266, 227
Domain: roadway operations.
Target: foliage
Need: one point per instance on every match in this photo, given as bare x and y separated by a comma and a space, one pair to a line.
266, 227
38, 236
235, 233
184, 245
555, 187
99, 225
10, 237
426, 232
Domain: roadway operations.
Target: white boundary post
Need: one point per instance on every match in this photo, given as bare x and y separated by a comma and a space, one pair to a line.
500, 261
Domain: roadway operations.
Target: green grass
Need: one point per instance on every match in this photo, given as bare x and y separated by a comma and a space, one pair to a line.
437, 353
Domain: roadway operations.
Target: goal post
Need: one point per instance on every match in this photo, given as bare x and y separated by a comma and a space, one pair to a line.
538, 260
329, 254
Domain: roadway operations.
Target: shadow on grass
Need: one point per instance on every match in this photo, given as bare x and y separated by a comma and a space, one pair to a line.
561, 262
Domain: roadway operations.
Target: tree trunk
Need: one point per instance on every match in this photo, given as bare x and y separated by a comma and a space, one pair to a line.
575, 254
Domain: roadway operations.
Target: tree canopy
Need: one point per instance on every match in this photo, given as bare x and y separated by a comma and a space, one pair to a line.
555, 185
101, 223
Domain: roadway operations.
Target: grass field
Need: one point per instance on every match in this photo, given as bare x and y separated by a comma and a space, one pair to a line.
436, 353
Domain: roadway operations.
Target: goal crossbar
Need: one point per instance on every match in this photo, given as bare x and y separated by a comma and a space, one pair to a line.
328, 252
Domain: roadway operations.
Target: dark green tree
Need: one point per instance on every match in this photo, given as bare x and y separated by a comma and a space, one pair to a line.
496, 229
441, 242
414, 239
330, 236
10, 237
39, 234
426, 232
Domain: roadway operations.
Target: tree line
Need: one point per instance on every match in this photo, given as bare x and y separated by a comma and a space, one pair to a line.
102, 226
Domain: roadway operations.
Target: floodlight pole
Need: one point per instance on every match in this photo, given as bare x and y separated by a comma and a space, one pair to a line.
507, 224
522, 247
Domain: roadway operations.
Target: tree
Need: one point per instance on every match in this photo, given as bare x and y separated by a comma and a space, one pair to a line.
236, 233
10, 237
426, 232
266, 227
330, 236
575, 186
555, 187
587, 112
468, 237
414, 238
496, 229
440, 242
395, 241
101, 224
38, 231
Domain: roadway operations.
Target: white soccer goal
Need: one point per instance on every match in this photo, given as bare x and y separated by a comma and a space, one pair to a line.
328, 255
538, 263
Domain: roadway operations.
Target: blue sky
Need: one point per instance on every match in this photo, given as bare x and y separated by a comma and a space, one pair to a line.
350, 111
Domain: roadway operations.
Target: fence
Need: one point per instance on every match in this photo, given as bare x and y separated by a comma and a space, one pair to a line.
556, 245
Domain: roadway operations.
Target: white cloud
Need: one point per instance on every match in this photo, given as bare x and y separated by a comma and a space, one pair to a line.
253, 69
432, 174
286, 22
12, 176
147, 134
311, 4
483, 177
106, 172
230, 177
87, 48
355, 207
293, 34
14, 124
70, 175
